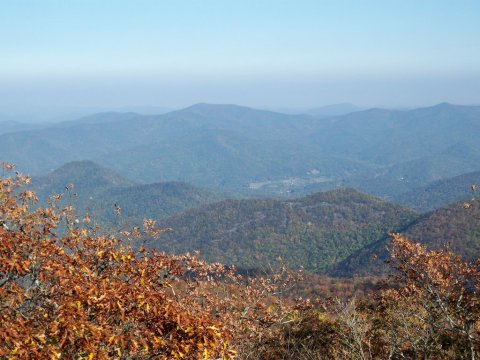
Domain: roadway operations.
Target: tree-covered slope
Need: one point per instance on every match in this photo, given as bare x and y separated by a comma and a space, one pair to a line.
456, 225
316, 232
92, 188
440, 192
228, 160
157, 200
85, 181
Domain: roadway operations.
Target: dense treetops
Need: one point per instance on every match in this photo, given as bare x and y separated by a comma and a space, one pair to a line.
455, 226
316, 232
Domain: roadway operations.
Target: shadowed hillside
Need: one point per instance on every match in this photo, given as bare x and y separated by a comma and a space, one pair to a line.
453, 225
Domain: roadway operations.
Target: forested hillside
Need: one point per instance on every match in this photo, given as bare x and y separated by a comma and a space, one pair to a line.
456, 226
99, 191
440, 192
316, 232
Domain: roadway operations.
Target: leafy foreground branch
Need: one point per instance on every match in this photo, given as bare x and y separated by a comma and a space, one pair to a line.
80, 295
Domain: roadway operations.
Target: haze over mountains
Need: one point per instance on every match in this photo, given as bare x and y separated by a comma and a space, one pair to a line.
256, 152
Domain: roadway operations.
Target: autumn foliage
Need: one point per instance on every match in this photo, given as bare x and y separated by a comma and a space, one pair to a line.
67, 292
79, 296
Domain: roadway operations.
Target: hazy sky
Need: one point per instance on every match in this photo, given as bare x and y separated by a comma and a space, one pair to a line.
259, 53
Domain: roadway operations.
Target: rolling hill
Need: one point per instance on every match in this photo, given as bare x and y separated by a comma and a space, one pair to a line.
156, 201
454, 225
335, 110
339, 232
412, 148
317, 231
440, 192
85, 179
95, 189
451, 225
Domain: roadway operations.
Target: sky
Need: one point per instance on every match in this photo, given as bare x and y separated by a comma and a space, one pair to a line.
288, 54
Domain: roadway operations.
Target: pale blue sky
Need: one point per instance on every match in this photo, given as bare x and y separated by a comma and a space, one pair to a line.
259, 53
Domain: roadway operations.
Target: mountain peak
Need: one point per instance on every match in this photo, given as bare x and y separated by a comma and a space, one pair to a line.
82, 172
335, 109
222, 109
444, 106
207, 107
79, 164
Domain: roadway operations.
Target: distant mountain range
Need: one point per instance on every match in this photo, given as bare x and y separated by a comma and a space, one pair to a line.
321, 111
261, 153
335, 110
46, 115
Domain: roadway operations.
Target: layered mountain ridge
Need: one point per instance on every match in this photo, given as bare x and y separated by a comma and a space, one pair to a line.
257, 152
